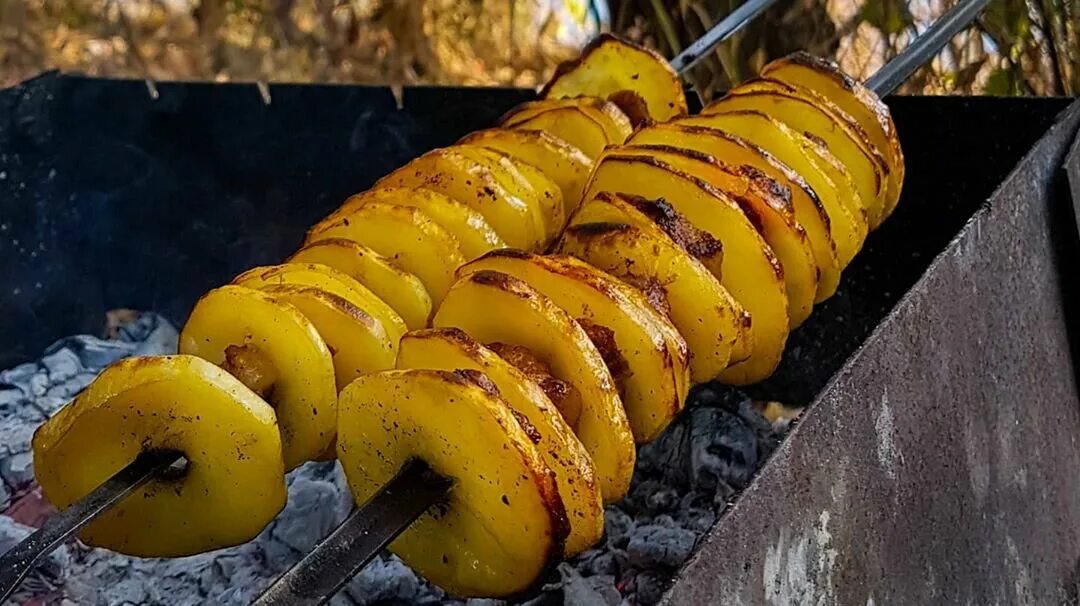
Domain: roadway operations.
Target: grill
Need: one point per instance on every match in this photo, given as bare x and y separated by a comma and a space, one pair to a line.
945, 401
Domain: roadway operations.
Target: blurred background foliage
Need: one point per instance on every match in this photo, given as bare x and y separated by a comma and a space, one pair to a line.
1018, 47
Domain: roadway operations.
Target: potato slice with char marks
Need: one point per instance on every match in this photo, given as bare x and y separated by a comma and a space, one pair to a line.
357, 342
562, 162
535, 187
451, 349
768, 206
750, 272
332, 281
609, 65
473, 233
493, 307
807, 116
634, 247
179, 403
401, 290
616, 124
277, 352
407, 236
825, 77
639, 212
475, 185
847, 219
653, 368
570, 124
502, 523
809, 213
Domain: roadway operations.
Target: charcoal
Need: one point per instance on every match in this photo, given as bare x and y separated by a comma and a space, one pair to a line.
683, 482
587, 591
723, 448
656, 545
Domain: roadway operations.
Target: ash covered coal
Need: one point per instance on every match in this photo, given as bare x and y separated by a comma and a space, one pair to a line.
682, 483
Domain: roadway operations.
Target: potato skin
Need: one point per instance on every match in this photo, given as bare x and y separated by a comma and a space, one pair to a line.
226, 497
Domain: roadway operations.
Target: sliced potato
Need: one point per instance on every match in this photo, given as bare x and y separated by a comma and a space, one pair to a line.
332, 281
534, 186
751, 272
452, 349
473, 233
825, 77
847, 219
650, 361
609, 65
277, 352
401, 290
475, 185
493, 307
502, 522
563, 163
616, 124
570, 124
809, 213
358, 343
644, 254
178, 403
805, 115
648, 215
407, 236
766, 204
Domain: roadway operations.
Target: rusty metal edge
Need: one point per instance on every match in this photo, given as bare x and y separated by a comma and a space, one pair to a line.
756, 493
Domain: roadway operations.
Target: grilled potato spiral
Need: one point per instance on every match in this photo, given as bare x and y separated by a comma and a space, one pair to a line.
577, 274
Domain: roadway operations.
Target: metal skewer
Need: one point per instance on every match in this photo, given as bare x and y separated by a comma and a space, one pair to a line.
736, 19
20, 560
368, 529
929, 43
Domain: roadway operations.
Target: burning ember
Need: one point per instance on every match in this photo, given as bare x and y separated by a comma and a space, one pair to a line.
682, 483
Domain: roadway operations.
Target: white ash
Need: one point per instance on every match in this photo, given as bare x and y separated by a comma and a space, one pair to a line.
682, 483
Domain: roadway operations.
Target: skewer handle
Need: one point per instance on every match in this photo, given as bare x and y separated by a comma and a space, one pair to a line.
368, 529
929, 43
20, 560
727, 26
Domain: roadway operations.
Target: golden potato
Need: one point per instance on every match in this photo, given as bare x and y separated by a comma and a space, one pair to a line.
616, 124
451, 349
534, 186
178, 403
328, 279
825, 77
570, 124
563, 163
812, 116
750, 272
271, 347
847, 219
609, 65
632, 246
357, 342
809, 213
766, 204
473, 233
405, 235
493, 307
502, 522
475, 185
649, 360
401, 290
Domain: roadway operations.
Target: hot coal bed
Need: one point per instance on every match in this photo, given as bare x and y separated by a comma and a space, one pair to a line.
114, 200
